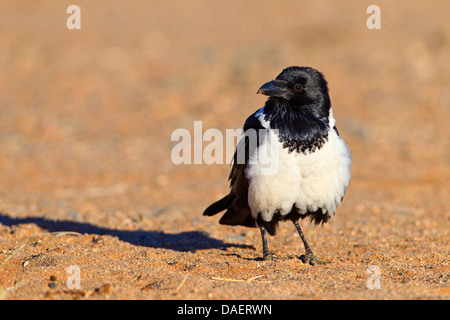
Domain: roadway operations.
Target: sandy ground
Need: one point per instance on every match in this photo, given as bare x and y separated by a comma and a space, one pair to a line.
86, 173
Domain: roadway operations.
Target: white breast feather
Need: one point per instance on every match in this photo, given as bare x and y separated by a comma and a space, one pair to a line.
310, 181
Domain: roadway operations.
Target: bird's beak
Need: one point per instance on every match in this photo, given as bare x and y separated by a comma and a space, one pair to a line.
275, 88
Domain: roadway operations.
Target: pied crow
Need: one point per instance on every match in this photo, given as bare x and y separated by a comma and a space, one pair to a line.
297, 139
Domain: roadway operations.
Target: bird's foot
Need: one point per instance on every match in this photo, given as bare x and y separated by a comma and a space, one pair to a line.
310, 258
269, 257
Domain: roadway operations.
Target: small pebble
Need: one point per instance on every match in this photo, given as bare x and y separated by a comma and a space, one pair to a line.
52, 284
104, 290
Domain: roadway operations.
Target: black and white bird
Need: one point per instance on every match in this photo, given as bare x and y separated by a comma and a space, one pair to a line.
297, 139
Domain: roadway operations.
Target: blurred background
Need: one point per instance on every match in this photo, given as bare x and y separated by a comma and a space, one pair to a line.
87, 115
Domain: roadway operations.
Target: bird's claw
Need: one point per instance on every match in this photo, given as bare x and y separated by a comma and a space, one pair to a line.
270, 257
310, 258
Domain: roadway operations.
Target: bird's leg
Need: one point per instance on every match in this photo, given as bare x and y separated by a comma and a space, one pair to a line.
309, 256
266, 253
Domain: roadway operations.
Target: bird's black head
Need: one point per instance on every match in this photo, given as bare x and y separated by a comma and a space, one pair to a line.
299, 107
300, 86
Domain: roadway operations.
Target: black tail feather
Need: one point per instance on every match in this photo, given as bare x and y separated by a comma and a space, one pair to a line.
218, 206
238, 213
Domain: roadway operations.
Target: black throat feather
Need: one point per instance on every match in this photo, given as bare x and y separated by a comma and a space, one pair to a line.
301, 128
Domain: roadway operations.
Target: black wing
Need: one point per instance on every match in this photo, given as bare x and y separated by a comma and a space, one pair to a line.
236, 202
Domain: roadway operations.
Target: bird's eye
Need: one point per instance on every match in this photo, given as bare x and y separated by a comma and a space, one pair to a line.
298, 87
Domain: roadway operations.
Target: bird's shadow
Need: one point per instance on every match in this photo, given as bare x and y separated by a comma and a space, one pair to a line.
187, 241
